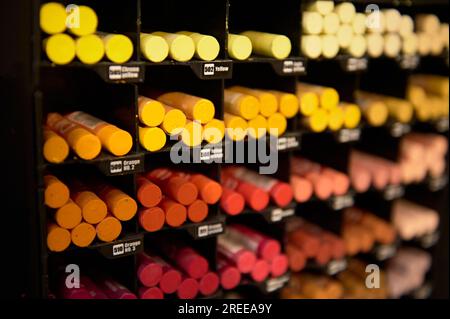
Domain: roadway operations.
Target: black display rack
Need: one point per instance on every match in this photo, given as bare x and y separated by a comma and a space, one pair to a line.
31, 87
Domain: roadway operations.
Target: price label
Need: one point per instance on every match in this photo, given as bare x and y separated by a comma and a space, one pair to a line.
355, 64
120, 72
437, 183
275, 284
409, 62
341, 202
214, 70
204, 231
336, 266
288, 143
293, 67
280, 214
429, 240
400, 129
349, 135
393, 192
121, 248
383, 252
442, 125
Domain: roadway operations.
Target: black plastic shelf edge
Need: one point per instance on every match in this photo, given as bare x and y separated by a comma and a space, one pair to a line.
131, 72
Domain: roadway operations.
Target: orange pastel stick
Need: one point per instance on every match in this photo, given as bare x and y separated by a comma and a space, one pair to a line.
56, 193
152, 219
176, 214
85, 144
197, 211
109, 229
122, 206
58, 239
69, 215
83, 235
93, 209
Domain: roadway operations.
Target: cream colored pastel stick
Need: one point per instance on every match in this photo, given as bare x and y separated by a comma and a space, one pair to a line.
410, 44
312, 23
375, 45
311, 46
322, 7
331, 23
428, 23
392, 19
357, 47
424, 43
344, 35
359, 23
376, 22
330, 46
346, 11
406, 25
392, 45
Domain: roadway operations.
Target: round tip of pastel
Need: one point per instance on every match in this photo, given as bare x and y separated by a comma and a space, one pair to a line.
270, 250
170, 281
230, 278
188, 289
209, 284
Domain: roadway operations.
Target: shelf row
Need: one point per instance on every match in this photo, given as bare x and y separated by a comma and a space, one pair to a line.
135, 72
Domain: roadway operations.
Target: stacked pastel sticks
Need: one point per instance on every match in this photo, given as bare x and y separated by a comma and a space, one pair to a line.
321, 109
329, 29
256, 191
241, 46
172, 197
178, 270
422, 155
312, 286
353, 280
307, 241
181, 46
429, 96
406, 271
86, 136
412, 220
252, 253
85, 212
89, 46
189, 117
103, 288
398, 110
368, 170
361, 230
254, 112
309, 178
